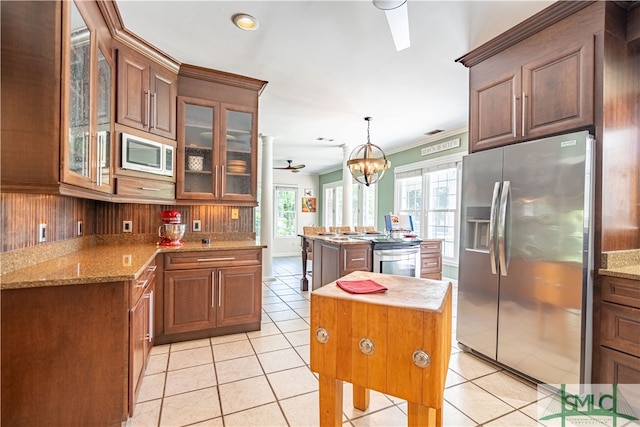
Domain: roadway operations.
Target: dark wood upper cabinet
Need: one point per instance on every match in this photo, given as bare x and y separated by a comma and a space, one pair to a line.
146, 95
552, 92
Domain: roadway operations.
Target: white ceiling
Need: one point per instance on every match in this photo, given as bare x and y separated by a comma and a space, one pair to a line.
331, 63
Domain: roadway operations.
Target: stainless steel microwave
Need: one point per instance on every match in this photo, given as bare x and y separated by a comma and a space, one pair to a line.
145, 155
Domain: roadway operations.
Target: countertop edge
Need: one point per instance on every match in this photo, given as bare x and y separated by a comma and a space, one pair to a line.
24, 277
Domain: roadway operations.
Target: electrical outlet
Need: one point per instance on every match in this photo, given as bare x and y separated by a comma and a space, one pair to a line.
79, 228
234, 213
42, 233
197, 225
127, 226
126, 260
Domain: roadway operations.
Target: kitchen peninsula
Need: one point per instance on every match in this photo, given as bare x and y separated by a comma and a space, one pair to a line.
93, 308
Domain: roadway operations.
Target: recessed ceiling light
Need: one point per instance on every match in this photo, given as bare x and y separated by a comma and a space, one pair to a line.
245, 22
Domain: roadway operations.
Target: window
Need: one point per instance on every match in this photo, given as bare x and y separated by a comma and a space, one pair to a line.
363, 204
429, 192
286, 219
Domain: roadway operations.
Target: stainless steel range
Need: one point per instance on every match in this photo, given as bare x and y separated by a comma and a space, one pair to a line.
399, 256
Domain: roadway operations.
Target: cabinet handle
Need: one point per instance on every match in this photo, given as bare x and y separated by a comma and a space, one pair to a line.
224, 180
150, 316
149, 189
152, 268
514, 125
144, 283
524, 106
213, 287
432, 263
99, 160
357, 259
154, 116
147, 96
216, 259
430, 246
215, 183
219, 288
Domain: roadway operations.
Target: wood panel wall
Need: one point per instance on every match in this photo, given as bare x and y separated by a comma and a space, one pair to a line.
21, 214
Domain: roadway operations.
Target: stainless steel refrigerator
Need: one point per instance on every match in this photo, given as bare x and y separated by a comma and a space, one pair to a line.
525, 274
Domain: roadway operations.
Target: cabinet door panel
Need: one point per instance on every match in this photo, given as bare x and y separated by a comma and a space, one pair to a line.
133, 91
164, 91
494, 110
239, 296
137, 354
188, 301
356, 258
559, 91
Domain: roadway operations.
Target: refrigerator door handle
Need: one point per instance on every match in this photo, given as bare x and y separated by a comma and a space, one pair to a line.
502, 219
492, 226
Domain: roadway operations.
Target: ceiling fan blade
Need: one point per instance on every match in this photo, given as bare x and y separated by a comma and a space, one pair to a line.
295, 170
398, 20
298, 166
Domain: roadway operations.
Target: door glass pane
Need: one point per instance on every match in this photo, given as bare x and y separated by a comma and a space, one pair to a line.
79, 93
198, 149
238, 170
104, 118
286, 220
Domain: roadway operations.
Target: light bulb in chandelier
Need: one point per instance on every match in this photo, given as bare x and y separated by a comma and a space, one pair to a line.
367, 162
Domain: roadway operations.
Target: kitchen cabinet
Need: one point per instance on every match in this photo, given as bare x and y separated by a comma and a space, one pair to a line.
431, 259
88, 106
217, 152
549, 94
217, 137
65, 353
620, 331
146, 95
208, 293
333, 260
141, 332
526, 88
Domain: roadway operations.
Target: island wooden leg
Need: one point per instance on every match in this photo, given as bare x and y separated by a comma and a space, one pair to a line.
304, 282
420, 415
330, 401
360, 397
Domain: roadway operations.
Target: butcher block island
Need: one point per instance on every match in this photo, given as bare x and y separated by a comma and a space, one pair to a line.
397, 342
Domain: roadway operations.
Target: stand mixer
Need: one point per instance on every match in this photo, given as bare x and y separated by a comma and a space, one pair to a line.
171, 231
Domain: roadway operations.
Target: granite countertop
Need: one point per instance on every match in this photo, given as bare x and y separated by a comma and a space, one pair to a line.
104, 263
625, 264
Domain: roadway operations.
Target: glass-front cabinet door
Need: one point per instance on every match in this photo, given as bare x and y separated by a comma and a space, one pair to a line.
197, 156
238, 149
88, 107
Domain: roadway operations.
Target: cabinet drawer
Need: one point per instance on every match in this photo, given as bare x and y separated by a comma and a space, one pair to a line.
145, 280
356, 258
146, 189
430, 264
208, 259
431, 246
621, 291
621, 328
618, 368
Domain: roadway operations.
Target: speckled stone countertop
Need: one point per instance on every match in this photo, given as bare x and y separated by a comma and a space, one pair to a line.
102, 263
625, 264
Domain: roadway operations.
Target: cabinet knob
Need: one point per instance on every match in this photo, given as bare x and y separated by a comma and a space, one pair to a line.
366, 346
322, 335
421, 358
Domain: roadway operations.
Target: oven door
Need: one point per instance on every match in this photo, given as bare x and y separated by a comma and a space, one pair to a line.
398, 261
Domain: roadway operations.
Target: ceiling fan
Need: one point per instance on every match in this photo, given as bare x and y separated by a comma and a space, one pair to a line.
398, 20
294, 169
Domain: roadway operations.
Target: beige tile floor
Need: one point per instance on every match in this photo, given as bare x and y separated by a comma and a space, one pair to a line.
263, 378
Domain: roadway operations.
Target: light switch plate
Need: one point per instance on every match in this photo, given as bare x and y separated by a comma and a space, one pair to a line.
42, 233
234, 213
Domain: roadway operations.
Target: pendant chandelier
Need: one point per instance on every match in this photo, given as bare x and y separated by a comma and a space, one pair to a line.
367, 162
